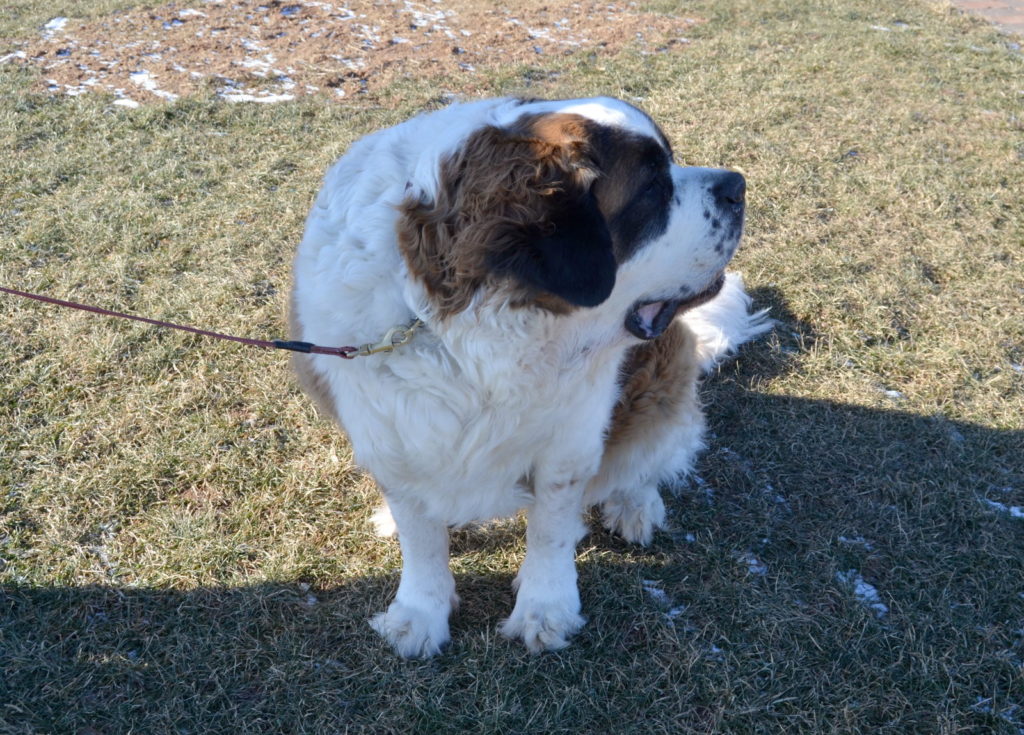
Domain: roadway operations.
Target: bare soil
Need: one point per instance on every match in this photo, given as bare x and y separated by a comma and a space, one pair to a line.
245, 50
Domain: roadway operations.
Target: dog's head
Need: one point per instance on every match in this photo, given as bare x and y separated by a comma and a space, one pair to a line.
570, 206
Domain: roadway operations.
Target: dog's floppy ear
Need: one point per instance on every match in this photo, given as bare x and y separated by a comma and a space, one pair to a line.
515, 205
569, 254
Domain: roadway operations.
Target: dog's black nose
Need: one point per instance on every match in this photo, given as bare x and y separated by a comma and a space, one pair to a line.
730, 189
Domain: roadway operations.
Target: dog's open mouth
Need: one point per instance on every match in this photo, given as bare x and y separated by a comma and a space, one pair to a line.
648, 319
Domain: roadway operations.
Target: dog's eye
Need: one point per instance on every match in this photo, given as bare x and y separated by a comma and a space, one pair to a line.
656, 187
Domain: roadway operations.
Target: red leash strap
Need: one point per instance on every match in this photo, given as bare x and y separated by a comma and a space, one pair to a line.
346, 352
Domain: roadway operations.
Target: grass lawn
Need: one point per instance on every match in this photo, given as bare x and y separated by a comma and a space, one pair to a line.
185, 545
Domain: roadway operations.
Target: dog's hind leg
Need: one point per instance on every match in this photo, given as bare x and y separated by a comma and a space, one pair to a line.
656, 433
383, 524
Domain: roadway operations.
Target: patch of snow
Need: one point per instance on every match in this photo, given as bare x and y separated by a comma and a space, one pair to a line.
657, 594
126, 102
423, 17
257, 67
241, 97
12, 55
370, 35
348, 63
341, 13
1010, 713
864, 592
145, 80
54, 25
675, 612
1014, 511
661, 599
856, 541
703, 486
754, 565
769, 491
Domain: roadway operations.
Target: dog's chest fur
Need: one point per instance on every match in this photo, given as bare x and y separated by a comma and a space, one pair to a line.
475, 419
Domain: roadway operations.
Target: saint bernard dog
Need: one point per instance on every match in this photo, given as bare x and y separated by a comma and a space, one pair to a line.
570, 278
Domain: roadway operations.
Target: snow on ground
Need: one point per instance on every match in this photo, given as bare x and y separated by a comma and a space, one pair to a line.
230, 48
1014, 511
753, 565
661, 598
857, 541
865, 593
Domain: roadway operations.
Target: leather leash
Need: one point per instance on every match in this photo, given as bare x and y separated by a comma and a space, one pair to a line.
395, 336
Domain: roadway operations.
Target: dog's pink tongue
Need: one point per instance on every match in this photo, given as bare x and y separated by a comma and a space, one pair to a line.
648, 313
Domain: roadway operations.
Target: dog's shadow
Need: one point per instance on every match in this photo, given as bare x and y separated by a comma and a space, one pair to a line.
792, 473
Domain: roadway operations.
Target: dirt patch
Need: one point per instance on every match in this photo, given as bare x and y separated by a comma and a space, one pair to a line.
244, 50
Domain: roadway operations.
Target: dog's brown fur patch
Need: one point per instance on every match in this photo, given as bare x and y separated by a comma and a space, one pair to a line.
659, 379
502, 185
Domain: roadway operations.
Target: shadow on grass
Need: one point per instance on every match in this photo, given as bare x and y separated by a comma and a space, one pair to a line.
811, 487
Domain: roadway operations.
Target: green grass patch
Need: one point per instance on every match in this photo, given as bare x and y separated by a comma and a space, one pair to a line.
185, 547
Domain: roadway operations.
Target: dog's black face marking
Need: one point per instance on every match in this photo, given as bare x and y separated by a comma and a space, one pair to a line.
729, 238
635, 190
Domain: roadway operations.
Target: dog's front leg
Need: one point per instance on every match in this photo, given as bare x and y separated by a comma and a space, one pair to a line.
547, 609
416, 623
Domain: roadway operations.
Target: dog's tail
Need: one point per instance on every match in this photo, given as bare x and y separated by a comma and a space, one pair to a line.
725, 323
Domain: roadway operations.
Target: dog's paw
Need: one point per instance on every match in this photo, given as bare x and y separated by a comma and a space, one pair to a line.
413, 632
383, 524
543, 626
635, 517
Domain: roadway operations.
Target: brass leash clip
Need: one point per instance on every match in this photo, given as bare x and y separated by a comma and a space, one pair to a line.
394, 337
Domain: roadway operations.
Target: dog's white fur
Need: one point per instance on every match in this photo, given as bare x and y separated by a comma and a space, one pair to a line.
495, 409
